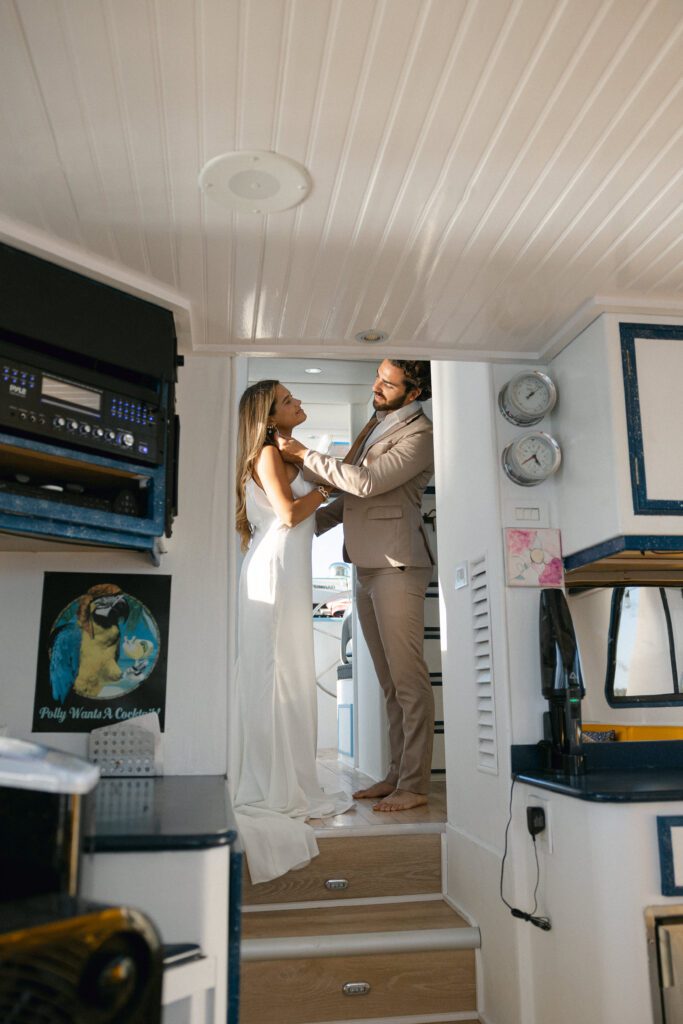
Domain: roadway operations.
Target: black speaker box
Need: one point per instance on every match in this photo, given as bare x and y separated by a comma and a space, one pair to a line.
64, 960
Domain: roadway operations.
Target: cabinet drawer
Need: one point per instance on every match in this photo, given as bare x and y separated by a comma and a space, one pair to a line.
370, 865
306, 991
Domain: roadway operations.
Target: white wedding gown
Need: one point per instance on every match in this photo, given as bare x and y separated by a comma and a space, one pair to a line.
274, 780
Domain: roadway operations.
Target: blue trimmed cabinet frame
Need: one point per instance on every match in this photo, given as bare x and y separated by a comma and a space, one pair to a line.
52, 520
642, 505
670, 884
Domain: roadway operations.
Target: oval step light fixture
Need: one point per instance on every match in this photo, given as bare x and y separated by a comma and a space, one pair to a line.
255, 181
356, 988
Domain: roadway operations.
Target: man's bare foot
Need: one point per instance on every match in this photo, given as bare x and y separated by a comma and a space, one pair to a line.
372, 792
401, 800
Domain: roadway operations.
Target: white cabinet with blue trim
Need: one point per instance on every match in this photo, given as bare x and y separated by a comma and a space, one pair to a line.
619, 419
652, 363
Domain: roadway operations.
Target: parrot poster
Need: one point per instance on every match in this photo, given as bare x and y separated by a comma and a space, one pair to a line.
102, 650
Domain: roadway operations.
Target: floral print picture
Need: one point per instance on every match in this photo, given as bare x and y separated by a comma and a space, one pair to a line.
533, 558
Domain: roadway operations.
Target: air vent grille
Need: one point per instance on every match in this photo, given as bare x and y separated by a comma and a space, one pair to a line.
487, 752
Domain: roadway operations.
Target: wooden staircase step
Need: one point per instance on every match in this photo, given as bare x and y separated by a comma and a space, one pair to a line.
311, 990
363, 865
409, 958
380, 917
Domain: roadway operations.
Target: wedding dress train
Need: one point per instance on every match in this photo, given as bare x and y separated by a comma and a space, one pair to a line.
275, 783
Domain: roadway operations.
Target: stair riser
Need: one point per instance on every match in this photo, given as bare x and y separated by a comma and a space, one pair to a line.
307, 991
373, 866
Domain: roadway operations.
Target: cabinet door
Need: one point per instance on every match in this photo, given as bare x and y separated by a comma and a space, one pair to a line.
670, 942
652, 359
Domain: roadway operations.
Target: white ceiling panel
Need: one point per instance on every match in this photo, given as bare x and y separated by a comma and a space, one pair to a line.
484, 172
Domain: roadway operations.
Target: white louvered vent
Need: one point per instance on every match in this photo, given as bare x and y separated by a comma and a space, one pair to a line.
487, 752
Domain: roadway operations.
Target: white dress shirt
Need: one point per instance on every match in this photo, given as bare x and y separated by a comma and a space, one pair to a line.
385, 422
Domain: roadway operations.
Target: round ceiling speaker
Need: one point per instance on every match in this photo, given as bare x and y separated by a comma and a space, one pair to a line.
255, 181
371, 337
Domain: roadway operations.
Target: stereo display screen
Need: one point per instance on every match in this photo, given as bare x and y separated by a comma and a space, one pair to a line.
62, 392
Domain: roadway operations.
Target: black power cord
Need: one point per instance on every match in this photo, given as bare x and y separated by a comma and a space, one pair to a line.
535, 824
670, 635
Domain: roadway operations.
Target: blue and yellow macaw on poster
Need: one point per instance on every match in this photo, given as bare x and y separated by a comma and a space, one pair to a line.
86, 643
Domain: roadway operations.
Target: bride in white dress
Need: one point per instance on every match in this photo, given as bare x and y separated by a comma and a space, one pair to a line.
274, 779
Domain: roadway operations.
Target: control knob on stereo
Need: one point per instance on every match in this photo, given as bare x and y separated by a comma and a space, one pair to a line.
111, 435
86, 428
72, 424
127, 440
98, 433
59, 422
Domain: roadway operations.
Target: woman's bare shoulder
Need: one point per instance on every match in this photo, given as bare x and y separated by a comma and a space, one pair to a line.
270, 459
269, 456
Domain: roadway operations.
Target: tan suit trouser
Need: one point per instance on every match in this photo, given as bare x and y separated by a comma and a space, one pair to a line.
390, 605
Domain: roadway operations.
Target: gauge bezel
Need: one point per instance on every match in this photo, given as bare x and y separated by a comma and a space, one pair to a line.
512, 413
514, 471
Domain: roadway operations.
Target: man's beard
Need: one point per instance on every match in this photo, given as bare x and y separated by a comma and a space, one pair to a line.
389, 404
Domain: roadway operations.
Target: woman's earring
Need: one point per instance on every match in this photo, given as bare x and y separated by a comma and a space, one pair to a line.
271, 431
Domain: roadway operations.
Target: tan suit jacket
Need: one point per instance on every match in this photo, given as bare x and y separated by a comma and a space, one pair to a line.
381, 506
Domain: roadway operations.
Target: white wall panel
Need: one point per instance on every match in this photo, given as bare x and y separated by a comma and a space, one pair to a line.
195, 739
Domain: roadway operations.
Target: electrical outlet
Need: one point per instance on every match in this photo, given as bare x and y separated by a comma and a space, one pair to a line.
544, 839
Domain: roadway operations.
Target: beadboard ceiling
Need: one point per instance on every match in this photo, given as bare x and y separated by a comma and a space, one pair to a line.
487, 174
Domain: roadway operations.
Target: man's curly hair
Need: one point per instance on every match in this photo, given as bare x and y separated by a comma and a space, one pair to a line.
418, 375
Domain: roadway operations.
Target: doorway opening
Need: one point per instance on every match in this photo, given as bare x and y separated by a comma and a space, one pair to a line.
352, 730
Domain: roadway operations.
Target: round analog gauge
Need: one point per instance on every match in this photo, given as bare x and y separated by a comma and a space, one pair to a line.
531, 458
527, 398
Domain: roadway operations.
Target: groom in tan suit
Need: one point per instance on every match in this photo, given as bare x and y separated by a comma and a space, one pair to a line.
383, 478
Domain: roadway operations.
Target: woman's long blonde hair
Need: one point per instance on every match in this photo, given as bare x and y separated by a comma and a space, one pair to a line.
256, 405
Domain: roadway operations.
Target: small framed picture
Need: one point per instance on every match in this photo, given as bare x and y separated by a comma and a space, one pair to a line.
533, 558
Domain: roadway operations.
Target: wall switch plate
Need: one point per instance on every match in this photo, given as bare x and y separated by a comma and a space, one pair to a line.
461, 576
526, 514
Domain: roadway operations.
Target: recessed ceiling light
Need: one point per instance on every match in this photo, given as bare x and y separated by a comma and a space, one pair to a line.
313, 369
371, 336
255, 181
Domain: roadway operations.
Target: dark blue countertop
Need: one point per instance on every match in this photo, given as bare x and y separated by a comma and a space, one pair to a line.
168, 812
615, 772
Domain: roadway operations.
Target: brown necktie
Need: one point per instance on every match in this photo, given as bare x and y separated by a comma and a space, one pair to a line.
357, 445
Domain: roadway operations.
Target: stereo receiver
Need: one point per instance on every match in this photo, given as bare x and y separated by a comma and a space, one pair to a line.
68, 411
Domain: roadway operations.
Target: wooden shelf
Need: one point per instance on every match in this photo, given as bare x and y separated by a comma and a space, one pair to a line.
656, 560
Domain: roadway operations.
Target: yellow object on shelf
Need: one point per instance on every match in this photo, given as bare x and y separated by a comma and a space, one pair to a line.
637, 733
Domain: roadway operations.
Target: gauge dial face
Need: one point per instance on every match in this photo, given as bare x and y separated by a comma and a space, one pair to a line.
531, 458
527, 398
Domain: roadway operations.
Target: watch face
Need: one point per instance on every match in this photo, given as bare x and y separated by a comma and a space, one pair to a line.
527, 398
531, 458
